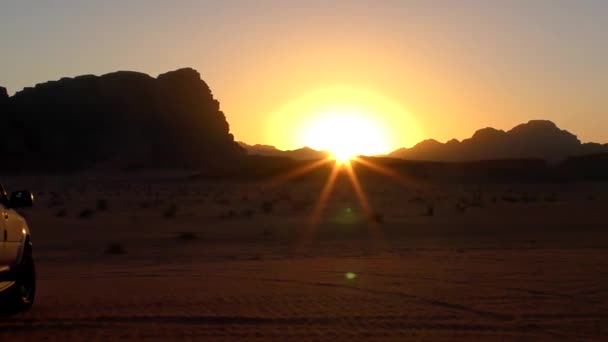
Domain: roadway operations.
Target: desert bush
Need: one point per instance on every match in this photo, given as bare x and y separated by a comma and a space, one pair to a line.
229, 214
55, 201
510, 199
301, 205
528, 198
477, 198
115, 249
551, 197
460, 207
416, 199
102, 205
171, 211
187, 236
62, 212
267, 233
223, 201
86, 213
430, 210
377, 217
267, 207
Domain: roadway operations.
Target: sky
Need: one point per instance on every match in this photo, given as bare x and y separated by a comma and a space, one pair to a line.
428, 69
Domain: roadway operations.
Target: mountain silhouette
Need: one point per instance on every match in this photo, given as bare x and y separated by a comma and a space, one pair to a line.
304, 153
129, 118
126, 117
540, 139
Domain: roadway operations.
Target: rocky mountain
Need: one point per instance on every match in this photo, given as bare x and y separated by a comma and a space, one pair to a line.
304, 153
536, 139
126, 117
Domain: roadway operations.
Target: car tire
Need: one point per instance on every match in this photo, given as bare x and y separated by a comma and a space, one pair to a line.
20, 297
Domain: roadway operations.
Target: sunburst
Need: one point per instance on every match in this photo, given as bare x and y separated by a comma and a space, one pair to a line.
347, 165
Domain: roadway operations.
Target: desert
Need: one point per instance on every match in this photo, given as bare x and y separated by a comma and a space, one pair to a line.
163, 257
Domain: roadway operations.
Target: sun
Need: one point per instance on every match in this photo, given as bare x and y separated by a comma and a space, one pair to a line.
344, 121
345, 133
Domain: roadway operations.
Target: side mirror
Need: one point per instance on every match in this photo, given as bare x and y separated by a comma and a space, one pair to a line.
21, 199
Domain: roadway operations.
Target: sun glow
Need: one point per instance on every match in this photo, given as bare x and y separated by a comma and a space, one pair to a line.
344, 121
349, 123
345, 134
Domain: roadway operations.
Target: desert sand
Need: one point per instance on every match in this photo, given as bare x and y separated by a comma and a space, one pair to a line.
157, 257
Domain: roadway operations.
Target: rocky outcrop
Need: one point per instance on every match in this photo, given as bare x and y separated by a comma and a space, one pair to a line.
304, 153
124, 117
3, 94
536, 139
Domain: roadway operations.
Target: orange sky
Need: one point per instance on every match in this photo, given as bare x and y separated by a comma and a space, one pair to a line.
451, 67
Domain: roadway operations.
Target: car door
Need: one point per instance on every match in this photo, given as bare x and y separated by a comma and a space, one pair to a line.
4, 253
13, 224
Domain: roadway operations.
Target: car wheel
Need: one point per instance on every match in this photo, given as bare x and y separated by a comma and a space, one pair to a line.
20, 297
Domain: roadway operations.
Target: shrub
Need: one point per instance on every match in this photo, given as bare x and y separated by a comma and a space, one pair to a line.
86, 213
187, 236
477, 199
430, 210
416, 199
552, 197
223, 201
115, 249
377, 217
102, 205
460, 207
247, 213
527, 198
267, 207
62, 212
229, 214
301, 205
171, 211
267, 233
55, 201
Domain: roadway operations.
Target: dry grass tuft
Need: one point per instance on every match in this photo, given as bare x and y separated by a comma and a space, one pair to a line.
86, 213
430, 210
101, 205
187, 236
115, 249
267, 207
171, 211
377, 217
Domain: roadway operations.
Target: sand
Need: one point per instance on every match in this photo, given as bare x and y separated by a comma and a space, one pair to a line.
526, 262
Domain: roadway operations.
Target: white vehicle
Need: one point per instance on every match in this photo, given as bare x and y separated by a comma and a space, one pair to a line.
17, 270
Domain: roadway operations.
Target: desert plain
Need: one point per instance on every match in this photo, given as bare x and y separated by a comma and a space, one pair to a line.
161, 256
